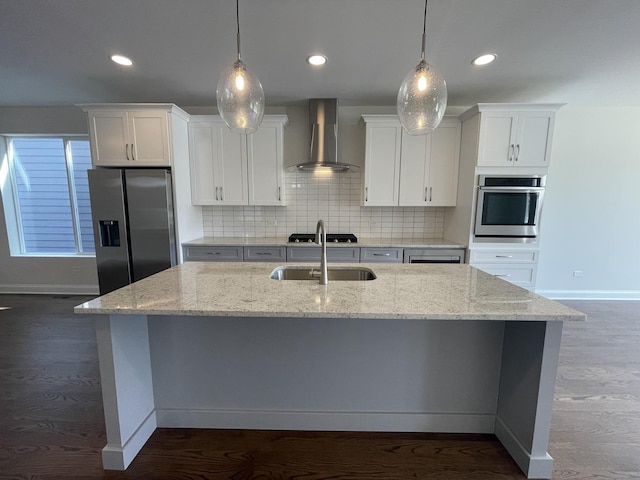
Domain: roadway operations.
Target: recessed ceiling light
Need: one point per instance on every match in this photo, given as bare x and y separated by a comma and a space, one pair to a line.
317, 60
484, 59
121, 60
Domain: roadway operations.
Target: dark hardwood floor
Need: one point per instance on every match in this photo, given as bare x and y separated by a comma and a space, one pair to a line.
51, 424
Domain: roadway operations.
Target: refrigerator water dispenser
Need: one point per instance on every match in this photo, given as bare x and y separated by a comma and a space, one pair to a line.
109, 233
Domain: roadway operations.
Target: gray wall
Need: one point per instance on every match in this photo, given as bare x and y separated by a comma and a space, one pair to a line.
43, 274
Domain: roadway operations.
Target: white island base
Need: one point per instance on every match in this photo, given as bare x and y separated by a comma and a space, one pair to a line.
329, 374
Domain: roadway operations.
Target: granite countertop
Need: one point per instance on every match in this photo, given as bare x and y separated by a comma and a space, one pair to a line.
362, 242
401, 291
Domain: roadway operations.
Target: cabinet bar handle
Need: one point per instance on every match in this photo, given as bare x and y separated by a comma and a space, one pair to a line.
502, 275
279, 196
511, 150
213, 253
381, 254
216, 194
263, 253
133, 153
366, 194
430, 193
221, 196
126, 150
517, 151
425, 193
504, 256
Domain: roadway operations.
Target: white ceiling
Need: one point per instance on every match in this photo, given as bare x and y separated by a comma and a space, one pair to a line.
576, 51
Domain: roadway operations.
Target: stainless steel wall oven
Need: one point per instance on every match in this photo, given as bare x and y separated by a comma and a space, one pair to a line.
508, 207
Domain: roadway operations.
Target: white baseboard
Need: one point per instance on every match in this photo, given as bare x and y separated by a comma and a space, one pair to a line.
48, 289
533, 466
119, 457
590, 294
326, 421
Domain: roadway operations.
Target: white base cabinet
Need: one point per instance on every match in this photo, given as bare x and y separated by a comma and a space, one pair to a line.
516, 266
410, 171
231, 169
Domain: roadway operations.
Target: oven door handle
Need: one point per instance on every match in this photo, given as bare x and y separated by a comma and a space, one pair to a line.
512, 189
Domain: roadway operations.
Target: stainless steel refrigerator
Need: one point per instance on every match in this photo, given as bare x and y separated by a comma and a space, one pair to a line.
133, 227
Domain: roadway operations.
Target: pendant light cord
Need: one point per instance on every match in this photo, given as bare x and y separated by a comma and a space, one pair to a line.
424, 29
238, 25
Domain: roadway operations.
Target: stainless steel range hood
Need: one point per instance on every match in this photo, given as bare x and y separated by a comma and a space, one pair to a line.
323, 125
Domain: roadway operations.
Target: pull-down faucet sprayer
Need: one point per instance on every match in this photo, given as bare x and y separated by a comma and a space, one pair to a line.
321, 239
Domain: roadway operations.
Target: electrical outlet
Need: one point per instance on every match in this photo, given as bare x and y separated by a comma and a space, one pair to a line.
578, 273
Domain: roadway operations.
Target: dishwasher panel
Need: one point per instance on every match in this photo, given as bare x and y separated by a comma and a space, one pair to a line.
434, 255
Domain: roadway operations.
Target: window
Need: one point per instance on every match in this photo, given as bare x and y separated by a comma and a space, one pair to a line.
46, 195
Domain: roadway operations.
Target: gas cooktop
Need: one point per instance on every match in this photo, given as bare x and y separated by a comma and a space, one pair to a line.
331, 238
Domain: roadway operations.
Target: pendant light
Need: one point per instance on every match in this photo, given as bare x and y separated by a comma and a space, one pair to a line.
422, 98
240, 95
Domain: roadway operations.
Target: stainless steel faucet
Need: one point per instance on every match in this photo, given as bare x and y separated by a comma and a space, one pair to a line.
321, 239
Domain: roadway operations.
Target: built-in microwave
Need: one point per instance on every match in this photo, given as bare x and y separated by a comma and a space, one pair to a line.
508, 207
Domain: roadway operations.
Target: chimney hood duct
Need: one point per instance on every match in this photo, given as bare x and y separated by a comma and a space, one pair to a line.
323, 125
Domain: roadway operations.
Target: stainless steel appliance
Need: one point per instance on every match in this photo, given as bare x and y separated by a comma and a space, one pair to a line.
508, 207
432, 255
323, 137
331, 238
133, 226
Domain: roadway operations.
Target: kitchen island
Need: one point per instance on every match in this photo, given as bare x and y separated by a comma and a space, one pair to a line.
433, 348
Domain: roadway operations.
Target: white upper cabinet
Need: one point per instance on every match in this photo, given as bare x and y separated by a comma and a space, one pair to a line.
405, 170
231, 164
429, 167
129, 137
515, 135
231, 169
218, 163
265, 163
382, 160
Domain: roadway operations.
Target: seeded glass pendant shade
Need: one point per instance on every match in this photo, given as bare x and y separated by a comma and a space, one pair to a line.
422, 98
240, 95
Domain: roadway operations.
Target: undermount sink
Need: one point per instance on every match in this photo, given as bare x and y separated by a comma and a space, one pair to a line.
313, 273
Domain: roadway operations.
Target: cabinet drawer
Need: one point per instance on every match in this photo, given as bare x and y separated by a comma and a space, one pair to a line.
334, 254
503, 256
381, 255
265, 254
213, 254
522, 275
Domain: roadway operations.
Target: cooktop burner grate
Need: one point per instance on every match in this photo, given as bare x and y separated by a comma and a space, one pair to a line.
331, 238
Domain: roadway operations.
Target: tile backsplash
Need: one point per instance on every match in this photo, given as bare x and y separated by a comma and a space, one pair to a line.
335, 198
